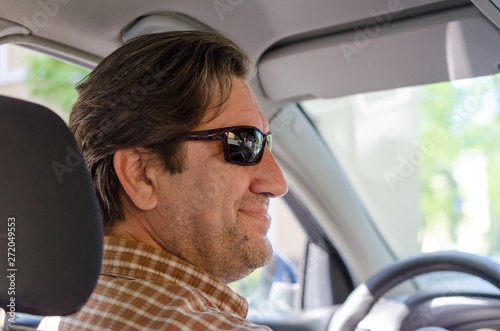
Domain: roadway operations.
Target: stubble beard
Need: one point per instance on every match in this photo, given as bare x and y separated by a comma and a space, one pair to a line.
228, 254
242, 254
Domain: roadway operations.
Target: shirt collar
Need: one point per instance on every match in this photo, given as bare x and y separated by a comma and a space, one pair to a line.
134, 260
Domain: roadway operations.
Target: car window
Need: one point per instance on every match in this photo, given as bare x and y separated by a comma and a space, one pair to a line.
36, 77
424, 160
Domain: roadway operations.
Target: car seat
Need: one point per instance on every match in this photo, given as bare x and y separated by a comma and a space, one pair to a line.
51, 232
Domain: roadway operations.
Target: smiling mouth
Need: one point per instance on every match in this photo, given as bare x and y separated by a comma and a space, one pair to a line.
259, 214
255, 213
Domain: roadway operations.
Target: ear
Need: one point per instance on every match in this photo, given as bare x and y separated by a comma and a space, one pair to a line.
133, 166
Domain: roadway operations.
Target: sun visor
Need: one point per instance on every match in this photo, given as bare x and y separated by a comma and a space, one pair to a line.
383, 55
472, 48
490, 9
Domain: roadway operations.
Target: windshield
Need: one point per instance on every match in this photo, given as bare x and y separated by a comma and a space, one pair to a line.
424, 160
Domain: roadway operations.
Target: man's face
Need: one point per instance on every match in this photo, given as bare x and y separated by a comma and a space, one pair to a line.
215, 214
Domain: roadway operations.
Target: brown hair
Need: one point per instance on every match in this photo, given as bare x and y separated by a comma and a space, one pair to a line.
151, 93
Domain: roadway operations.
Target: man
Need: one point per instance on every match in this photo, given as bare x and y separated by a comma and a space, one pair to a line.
183, 214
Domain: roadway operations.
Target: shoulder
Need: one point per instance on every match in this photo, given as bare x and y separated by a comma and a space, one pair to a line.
119, 304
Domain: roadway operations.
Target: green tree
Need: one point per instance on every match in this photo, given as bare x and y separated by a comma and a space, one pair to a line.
440, 195
469, 120
53, 80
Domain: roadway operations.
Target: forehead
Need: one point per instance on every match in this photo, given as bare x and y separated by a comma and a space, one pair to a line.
242, 108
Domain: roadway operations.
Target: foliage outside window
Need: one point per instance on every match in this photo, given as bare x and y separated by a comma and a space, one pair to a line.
53, 80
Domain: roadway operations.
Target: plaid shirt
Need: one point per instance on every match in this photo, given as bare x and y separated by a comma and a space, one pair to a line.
143, 288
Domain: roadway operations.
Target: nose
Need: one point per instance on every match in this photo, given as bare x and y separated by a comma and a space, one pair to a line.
269, 178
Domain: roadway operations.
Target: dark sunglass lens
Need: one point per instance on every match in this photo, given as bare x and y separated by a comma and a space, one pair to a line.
244, 145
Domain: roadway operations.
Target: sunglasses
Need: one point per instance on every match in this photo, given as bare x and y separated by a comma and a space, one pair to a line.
243, 145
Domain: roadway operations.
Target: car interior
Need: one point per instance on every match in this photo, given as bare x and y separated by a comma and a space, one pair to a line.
384, 116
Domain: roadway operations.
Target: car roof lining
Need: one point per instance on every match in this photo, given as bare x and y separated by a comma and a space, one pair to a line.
10, 28
101, 36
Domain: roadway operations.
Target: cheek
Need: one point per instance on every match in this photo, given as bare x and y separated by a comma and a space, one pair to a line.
211, 187
221, 190
212, 178
204, 191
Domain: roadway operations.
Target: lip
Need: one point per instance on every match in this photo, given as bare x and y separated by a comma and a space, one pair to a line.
257, 213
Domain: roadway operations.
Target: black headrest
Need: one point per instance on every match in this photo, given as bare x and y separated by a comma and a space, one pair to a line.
50, 221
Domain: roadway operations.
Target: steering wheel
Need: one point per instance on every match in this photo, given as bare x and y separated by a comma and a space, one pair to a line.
362, 299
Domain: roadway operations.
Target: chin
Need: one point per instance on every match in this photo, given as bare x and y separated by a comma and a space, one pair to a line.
260, 256
254, 256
